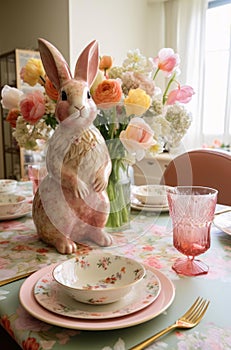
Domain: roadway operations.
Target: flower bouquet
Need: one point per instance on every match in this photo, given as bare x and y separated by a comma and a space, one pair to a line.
134, 116
31, 113
136, 119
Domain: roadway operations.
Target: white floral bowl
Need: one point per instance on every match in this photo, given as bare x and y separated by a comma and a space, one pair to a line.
98, 277
7, 185
11, 204
151, 194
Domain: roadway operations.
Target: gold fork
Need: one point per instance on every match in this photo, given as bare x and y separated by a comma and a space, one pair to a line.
16, 278
189, 320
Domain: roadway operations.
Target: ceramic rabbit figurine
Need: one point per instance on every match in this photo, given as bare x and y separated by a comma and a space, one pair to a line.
71, 204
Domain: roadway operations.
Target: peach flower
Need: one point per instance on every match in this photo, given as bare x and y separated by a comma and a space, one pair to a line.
33, 107
105, 63
108, 92
12, 117
183, 94
138, 137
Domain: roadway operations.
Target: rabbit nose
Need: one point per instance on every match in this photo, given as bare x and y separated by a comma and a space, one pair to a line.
79, 108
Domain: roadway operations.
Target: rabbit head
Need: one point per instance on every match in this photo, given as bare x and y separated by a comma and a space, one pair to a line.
74, 92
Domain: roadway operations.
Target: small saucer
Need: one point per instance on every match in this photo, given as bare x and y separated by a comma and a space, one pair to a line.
223, 222
49, 295
136, 204
24, 211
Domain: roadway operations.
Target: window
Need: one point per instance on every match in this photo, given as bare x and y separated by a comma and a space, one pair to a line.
217, 89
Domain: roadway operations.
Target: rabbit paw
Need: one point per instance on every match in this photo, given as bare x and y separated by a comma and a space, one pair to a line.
65, 245
101, 180
82, 191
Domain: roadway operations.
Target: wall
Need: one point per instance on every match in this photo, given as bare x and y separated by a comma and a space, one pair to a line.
70, 25
22, 22
117, 25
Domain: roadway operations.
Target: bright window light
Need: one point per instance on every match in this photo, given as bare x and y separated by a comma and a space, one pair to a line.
217, 93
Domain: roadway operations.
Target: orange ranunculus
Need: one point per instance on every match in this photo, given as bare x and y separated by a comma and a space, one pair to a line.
105, 63
33, 72
12, 117
33, 107
51, 90
138, 137
108, 92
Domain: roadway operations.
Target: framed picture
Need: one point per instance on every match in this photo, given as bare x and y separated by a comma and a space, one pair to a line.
22, 56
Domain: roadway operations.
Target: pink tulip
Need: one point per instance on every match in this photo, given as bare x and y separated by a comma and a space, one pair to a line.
167, 60
183, 94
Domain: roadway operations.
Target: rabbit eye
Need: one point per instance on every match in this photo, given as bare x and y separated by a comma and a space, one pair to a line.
88, 94
64, 96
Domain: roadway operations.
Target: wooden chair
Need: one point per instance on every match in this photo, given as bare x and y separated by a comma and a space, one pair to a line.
202, 167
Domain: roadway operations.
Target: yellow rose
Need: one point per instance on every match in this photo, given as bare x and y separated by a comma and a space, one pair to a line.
33, 72
137, 102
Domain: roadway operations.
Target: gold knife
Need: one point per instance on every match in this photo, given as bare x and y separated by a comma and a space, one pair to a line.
16, 278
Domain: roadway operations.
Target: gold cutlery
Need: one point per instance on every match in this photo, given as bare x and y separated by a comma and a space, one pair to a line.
16, 278
189, 320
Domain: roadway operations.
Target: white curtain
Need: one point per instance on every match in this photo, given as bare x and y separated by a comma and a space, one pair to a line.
187, 35
184, 31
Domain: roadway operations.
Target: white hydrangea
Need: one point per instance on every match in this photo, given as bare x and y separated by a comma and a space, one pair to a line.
27, 135
137, 62
180, 120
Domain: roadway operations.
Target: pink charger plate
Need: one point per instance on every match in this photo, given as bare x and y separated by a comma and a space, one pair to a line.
28, 301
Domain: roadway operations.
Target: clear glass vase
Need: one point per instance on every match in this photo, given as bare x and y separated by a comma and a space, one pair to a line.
119, 194
111, 121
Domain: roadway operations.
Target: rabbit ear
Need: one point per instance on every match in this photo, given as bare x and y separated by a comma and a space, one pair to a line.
54, 63
87, 64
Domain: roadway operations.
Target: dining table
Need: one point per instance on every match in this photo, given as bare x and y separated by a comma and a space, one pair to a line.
58, 323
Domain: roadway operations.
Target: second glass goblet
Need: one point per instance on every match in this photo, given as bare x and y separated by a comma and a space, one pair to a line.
191, 210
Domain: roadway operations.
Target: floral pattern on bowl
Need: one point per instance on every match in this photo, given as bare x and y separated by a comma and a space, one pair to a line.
151, 194
49, 295
98, 277
11, 204
7, 185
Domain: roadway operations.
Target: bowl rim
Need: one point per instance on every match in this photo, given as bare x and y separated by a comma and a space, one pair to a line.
8, 181
21, 201
111, 288
139, 187
7, 184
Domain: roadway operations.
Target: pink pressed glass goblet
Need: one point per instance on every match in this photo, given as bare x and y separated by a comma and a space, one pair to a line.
36, 173
192, 210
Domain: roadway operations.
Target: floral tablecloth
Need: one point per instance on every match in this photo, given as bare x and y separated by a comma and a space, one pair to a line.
149, 240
